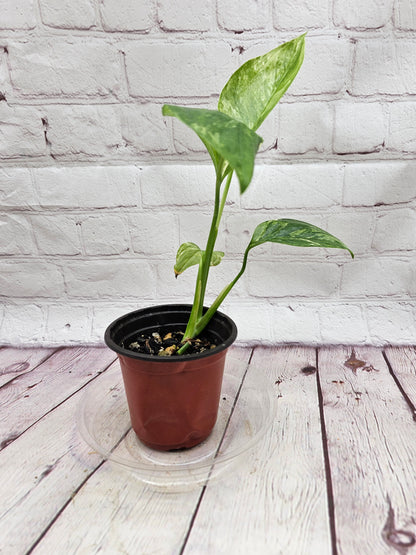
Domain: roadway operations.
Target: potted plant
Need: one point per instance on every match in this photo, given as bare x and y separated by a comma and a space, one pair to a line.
172, 357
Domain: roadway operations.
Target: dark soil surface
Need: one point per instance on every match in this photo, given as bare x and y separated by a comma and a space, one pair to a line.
166, 344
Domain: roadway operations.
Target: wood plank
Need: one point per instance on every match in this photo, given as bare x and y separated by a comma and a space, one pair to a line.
39, 473
372, 450
403, 364
276, 501
14, 362
115, 513
27, 398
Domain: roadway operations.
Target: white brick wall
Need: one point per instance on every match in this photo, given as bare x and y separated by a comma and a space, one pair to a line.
98, 189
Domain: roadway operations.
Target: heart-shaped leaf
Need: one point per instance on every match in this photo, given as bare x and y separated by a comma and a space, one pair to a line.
257, 86
224, 137
296, 233
190, 254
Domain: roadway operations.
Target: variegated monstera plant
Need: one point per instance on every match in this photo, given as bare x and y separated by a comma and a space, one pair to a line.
229, 135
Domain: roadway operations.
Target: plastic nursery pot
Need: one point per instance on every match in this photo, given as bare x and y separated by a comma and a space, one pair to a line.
173, 401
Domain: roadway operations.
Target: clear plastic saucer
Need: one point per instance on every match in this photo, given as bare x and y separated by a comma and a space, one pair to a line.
245, 413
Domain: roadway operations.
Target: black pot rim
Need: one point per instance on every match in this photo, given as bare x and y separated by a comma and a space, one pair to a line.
178, 358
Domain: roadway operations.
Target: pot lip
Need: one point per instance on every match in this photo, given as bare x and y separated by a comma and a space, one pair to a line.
166, 360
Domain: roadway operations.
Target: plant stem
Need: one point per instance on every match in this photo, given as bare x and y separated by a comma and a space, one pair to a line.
209, 249
224, 198
202, 322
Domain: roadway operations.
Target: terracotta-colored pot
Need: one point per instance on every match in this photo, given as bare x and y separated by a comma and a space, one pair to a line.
173, 401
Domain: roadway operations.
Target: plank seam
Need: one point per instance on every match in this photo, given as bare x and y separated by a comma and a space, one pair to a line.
14, 438
327, 462
62, 509
34, 368
399, 385
72, 496
204, 488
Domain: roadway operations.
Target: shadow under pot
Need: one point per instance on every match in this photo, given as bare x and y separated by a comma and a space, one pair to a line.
173, 401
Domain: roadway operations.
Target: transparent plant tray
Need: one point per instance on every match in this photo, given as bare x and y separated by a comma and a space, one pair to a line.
246, 412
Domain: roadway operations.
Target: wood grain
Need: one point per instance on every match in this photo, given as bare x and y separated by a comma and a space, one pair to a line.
25, 400
115, 513
276, 502
14, 362
40, 471
372, 450
403, 364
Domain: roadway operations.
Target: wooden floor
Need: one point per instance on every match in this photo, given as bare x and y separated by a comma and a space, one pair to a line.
335, 473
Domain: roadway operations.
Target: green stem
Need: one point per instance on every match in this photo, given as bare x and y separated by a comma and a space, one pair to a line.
203, 271
202, 322
194, 316
224, 198
209, 249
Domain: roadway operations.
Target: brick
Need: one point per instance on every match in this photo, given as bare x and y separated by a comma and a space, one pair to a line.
23, 324
384, 67
87, 187
171, 289
305, 14
405, 15
379, 183
83, 130
16, 188
15, 235
5, 86
154, 234
295, 186
30, 279
194, 15
292, 279
56, 234
376, 278
325, 68
395, 231
68, 14
359, 127
239, 230
250, 15
103, 315
362, 15
80, 67
253, 324
97, 279
296, 323
344, 324
305, 127
144, 129
179, 185
222, 275
19, 14
105, 234
166, 70
71, 325
194, 226
21, 132
391, 324
135, 15
355, 229
402, 131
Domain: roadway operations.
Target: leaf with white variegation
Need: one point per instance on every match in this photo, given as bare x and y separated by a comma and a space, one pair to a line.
257, 86
296, 233
224, 137
189, 254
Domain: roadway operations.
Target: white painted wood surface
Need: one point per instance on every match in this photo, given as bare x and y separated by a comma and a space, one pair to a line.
335, 473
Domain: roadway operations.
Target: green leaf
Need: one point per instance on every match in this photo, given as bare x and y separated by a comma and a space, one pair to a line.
296, 233
257, 86
190, 254
223, 136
